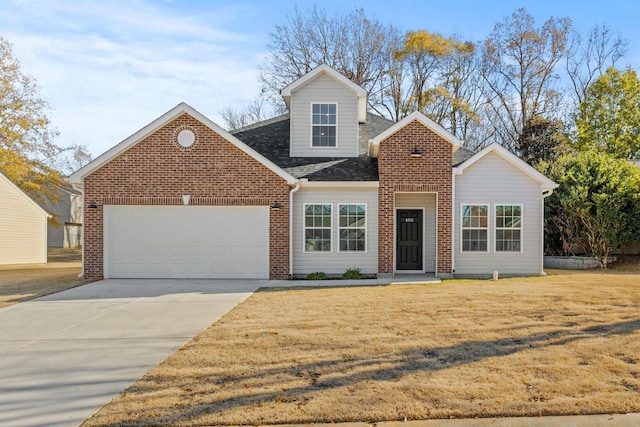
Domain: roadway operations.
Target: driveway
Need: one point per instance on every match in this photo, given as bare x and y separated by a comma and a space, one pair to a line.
65, 355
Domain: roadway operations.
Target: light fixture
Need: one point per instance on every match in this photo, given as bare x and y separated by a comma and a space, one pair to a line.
92, 206
416, 153
275, 206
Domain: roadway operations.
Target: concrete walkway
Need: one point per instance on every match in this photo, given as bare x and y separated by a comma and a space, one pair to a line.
62, 357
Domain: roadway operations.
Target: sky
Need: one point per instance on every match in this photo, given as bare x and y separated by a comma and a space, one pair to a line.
108, 68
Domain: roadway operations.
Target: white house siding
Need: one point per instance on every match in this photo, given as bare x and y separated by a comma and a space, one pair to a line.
23, 227
427, 202
490, 181
324, 90
335, 262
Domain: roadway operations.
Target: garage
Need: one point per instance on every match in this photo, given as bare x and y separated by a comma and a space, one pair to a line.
193, 242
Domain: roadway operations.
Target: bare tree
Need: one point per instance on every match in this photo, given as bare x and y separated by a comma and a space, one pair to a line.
586, 61
352, 44
239, 118
519, 67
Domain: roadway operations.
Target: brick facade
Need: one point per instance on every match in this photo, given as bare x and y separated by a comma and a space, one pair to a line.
158, 171
430, 173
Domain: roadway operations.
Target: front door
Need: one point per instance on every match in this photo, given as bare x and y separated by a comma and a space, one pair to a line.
409, 239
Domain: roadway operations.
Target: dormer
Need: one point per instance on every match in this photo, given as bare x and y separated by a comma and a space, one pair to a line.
325, 109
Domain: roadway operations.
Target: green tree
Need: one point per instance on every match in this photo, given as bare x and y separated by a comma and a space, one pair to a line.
608, 119
27, 152
542, 140
597, 205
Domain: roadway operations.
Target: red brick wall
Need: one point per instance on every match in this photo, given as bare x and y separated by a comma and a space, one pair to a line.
400, 172
158, 171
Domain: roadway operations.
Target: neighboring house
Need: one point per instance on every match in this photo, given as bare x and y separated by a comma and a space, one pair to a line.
23, 227
66, 231
326, 188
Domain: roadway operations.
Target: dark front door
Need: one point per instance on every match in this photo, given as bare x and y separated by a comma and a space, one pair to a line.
409, 240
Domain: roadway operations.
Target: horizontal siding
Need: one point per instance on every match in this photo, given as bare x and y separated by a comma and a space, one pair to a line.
335, 262
324, 90
428, 203
23, 228
492, 180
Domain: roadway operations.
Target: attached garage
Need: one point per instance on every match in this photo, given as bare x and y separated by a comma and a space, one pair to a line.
186, 242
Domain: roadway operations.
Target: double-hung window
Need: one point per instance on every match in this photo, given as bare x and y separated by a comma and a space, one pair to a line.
324, 120
352, 227
475, 228
508, 228
317, 228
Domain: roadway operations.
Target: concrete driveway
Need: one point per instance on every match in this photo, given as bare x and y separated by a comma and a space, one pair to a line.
64, 356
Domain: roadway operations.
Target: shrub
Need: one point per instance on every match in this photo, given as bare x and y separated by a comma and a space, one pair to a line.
352, 274
318, 275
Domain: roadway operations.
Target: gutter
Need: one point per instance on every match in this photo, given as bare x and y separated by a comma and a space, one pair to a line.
296, 188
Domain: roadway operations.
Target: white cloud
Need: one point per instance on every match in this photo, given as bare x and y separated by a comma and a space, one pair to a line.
109, 69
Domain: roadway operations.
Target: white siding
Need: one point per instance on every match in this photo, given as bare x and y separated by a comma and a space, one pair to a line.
23, 228
492, 180
335, 262
324, 90
426, 201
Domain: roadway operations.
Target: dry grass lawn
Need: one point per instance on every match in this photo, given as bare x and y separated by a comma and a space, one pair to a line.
21, 283
562, 344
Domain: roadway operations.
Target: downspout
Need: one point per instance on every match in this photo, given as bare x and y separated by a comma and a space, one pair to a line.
545, 193
80, 188
453, 221
296, 188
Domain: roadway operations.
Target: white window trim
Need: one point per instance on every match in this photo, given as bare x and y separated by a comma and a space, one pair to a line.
495, 228
312, 125
366, 225
304, 228
488, 228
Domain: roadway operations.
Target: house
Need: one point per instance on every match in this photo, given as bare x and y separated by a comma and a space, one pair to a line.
23, 227
325, 188
66, 230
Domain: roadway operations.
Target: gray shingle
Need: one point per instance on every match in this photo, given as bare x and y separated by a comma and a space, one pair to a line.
271, 139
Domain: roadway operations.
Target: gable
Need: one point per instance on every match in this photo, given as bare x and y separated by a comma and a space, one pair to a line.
324, 91
516, 164
77, 178
157, 164
16, 201
328, 72
493, 176
420, 118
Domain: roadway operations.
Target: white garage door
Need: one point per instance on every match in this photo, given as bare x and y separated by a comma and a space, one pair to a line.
186, 242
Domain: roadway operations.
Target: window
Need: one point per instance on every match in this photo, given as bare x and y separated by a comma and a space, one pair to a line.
474, 228
317, 228
352, 228
323, 124
508, 228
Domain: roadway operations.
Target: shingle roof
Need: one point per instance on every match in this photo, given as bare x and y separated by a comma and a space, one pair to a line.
271, 139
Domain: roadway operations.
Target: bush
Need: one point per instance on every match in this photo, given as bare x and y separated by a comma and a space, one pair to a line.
352, 274
318, 275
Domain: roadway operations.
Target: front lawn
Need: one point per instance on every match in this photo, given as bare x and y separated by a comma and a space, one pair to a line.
557, 345
24, 282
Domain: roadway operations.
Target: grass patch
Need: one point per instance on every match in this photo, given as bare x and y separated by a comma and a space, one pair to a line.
556, 345
25, 282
